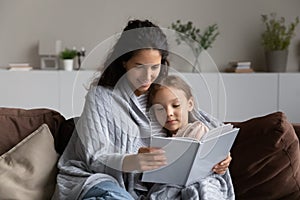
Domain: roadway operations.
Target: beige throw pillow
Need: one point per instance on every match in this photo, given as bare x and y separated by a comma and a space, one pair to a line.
28, 170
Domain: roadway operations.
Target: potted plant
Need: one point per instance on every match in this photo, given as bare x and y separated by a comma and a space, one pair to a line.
276, 40
193, 37
68, 56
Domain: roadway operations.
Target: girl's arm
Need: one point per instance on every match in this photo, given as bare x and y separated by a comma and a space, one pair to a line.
222, 166
211, 122
193, 130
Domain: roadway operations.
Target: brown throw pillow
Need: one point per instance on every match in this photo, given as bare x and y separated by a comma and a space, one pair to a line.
18, 123
266, 159
28, 170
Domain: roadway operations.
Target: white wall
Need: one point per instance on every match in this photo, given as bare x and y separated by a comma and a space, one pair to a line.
87, 23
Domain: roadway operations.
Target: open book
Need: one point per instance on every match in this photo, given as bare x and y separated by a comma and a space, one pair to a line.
190, 160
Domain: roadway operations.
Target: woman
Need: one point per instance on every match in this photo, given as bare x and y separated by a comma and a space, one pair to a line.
102, 159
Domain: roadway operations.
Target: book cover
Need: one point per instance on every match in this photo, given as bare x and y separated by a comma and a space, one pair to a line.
190, 160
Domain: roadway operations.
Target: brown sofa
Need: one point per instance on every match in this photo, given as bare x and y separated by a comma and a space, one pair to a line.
265, 165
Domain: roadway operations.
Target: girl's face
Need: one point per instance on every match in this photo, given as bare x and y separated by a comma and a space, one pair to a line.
171, 108
142, 69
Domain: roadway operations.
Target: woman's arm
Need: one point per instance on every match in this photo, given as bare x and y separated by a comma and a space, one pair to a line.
146, 159
103, 130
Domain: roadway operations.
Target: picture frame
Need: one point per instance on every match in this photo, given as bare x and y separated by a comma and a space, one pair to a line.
49, 62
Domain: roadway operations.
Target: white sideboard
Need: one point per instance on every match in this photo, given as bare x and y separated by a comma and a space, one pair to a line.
228, 96
289, 95
247, 95
29, 89
63, 91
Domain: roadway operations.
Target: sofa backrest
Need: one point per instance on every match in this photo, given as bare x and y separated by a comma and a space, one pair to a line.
16, 124
65, 133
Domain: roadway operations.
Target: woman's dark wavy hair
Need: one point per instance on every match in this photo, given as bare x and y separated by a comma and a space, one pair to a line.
136, 36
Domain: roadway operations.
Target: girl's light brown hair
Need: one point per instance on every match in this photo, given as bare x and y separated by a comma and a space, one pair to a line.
170, 81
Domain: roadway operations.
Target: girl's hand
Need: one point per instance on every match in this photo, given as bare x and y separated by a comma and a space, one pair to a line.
148, 158
222, 166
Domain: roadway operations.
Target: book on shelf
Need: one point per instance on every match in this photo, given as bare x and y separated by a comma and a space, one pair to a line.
239, 70
240, 64
189, 159
19, 67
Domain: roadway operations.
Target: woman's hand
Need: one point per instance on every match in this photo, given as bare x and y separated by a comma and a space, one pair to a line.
147, 159
222, 166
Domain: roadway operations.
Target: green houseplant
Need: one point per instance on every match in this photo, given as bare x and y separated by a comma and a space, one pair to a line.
68, 55
192, 36
276, 39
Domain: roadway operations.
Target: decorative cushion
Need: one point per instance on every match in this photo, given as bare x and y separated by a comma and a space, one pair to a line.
266, 159
28, 170
18, 123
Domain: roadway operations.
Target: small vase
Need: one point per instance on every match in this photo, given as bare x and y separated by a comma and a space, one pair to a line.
276, 60
68, 64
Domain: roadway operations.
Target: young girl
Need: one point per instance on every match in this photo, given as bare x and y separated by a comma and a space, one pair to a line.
172, 102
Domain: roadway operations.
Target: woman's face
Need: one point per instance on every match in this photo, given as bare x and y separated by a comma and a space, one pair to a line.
142, 69
171, 108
